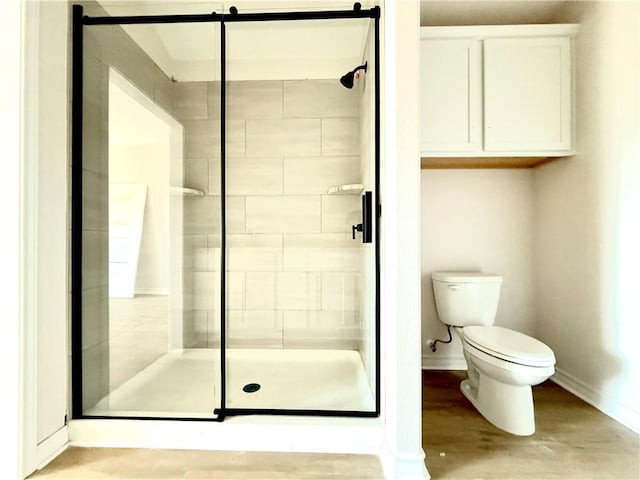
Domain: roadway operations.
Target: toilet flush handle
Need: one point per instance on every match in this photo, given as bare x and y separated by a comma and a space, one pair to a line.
453, 286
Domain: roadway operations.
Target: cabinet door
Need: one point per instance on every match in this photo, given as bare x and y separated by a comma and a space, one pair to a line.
527, 94
450, 96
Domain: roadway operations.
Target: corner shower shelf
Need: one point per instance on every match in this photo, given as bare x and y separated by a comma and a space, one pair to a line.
186, 192
350, 189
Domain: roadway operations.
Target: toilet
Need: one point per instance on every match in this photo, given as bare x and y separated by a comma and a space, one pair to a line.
502, 364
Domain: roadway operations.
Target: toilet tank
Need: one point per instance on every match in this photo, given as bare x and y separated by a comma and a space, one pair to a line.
466, 298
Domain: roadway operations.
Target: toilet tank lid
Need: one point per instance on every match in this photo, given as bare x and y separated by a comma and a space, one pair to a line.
466, 277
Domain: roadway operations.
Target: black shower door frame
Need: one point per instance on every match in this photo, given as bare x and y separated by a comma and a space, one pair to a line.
79, 20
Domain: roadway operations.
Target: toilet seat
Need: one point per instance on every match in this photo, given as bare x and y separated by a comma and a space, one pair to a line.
509, 345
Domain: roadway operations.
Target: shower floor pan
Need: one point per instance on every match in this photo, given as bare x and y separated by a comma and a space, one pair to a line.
185, 383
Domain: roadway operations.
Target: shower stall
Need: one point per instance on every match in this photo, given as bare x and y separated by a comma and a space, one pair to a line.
225, 211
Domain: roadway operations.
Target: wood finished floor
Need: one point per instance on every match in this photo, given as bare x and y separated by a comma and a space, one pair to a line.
111, 463
573, 441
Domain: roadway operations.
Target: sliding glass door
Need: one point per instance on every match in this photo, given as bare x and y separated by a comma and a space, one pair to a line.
301, 311
146, 292
225, 207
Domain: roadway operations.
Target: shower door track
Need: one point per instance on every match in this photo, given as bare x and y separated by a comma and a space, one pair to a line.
79, 20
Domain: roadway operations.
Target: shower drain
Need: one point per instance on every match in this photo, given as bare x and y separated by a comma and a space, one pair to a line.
251, 387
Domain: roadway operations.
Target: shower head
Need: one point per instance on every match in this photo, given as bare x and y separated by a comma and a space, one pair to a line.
348, 78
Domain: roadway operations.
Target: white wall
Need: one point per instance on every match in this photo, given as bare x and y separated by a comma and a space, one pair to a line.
400, 243
52, 188
12, 30
477, 220
587, 228
34, 195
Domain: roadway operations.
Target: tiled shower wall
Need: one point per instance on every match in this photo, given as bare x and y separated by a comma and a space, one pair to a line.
294, 271
105, 47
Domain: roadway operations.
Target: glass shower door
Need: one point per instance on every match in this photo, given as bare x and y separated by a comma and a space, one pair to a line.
149, 277
225, 255
301, 289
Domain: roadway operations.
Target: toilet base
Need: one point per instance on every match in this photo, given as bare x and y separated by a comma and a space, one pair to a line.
508, 407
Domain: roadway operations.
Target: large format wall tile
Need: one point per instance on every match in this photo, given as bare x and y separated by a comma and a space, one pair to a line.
214, 176
95, 316
127, 57
214, 94
319, 241
163, 93
245, 253
95, 259
340, 212
95, 135
199, 329
254, 329
283, 214
95, 373
202, 138
190, 100
321, 253
206, 290
283, 137
321, 259
254, 252
236, 214
309, 175
321, 329
196, 174
260, 291
298, 291
254, 175
340, 291
318, 98
202, 215
95, 201
95, 115
254, 99
340, 136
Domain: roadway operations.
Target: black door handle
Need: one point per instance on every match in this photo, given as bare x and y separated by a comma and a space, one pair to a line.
366, 226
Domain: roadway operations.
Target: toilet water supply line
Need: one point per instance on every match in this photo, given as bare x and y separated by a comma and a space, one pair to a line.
432, 343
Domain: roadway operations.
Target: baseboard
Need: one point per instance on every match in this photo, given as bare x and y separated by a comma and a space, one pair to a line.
51, 447
621, 413
403, 467
433, 362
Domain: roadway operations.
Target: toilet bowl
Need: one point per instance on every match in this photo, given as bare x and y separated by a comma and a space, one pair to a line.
500, 379
502, 364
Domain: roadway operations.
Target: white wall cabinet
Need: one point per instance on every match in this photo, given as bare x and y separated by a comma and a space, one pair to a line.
451, 95
497, 91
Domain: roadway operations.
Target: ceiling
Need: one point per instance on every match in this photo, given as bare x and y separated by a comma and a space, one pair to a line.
494, 12
255, 50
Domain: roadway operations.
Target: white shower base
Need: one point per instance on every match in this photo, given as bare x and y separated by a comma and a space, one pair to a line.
185, 383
